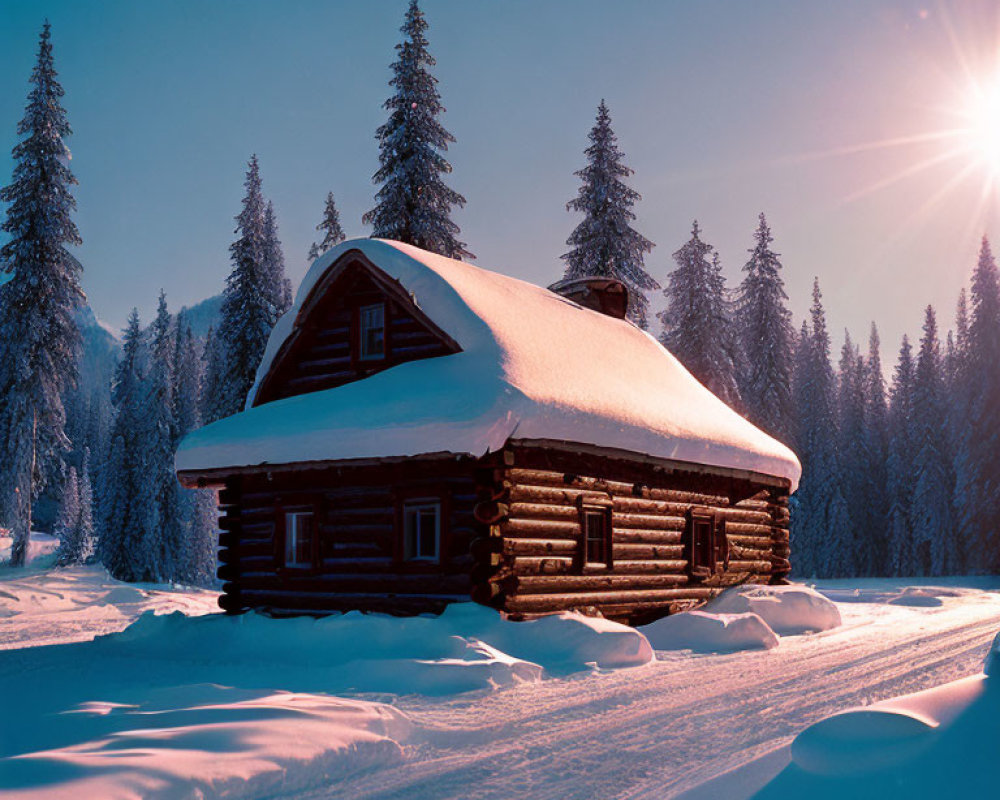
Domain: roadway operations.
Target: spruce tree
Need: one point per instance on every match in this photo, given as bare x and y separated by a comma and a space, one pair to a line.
67, 521
248, 307
931, 469
39, 336
874, 499
820, 521
605, 244
854, 555
977, 464
159, 445
333, 234
279, 287
902, 453
128, 545
214, 377
764, 326
413, 204
696, 325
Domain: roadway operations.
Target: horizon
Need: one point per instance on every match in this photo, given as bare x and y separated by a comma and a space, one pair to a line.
302, 86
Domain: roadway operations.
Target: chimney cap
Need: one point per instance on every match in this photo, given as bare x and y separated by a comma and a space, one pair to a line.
599, 293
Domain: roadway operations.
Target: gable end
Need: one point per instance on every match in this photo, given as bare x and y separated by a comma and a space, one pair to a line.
331, 342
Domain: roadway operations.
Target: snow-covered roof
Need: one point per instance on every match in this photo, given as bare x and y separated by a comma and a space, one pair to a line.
533, 365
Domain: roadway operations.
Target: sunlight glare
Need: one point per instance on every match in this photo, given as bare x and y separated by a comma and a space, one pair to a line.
984, 117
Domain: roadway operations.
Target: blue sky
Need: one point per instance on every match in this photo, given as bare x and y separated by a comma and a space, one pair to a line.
720, 107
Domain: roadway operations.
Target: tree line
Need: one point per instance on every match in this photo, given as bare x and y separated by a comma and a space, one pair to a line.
899, 477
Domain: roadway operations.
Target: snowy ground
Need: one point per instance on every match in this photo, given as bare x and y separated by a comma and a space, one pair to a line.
172, 705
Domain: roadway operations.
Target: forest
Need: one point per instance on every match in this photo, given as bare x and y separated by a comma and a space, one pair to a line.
901, 467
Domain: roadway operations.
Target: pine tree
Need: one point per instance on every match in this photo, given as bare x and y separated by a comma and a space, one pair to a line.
333, 234
696, 324
605, 244
902, 452
75, 526
413, 204
214, 378
248, 308
39, 336
279, 287
159, 445
129, 506
820, 522
854, 554
931, 469
977, 463
765, 333
67, 521
874, 499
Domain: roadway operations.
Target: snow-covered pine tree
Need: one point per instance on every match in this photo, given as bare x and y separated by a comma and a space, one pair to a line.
697, 328
822, 525
160, 444
129, 505
75, 525
248, 309
39, 336
931, 470
899, 468
198, 506
67, 520
213, 362
875, 499
280, 287
413, 204
764, 327
854, 555
605, 243
977, 464
333, 234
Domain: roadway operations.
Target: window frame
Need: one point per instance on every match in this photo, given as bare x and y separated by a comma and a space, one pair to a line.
416, 504
285, 508
360, 356
712, 557
597, 506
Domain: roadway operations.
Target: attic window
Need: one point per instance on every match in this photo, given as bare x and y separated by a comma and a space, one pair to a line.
371, 332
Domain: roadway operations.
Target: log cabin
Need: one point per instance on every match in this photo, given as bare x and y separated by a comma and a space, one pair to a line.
422, 431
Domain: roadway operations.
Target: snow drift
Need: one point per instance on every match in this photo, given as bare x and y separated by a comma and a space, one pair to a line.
705, 632
788, 610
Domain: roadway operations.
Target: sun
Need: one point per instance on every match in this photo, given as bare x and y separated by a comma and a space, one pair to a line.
983, 116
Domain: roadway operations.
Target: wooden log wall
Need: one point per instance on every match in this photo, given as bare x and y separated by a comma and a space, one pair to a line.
530, 562
358, 562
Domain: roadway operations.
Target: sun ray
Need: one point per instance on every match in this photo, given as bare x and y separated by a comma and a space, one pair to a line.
913, 169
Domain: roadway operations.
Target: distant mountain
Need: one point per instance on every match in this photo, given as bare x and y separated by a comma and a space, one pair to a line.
204, 315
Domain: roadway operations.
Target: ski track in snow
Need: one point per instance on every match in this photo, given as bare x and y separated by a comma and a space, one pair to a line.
657, 731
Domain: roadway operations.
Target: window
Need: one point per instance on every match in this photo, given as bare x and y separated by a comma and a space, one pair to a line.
421, 530
371, 332
299, 539
595, 532
706, 545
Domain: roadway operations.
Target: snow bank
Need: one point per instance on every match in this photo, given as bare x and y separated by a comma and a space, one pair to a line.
531, 362
706, 632
941, 742
883, 734
39, 607
992, 665
788, 610
205, 742
467, 647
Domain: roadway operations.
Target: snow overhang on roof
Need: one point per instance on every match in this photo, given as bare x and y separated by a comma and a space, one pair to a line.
533, 365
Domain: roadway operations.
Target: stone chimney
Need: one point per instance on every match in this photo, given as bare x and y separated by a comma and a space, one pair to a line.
606, 295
